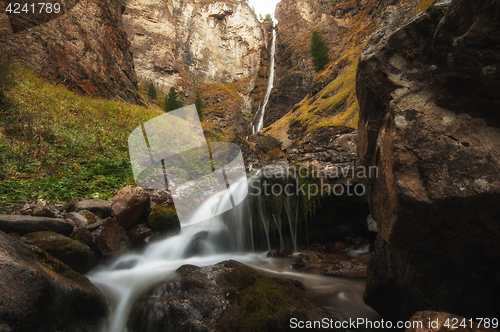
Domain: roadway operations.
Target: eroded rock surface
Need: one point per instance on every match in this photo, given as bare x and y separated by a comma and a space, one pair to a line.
435, 139
40, 293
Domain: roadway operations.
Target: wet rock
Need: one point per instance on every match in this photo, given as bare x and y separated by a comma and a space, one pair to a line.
128, 206
138, 235
76, 255
280, 253
99, 207
77, 218
346, 269
111, 239
27, 224
84, 236
298, 264
40, 293
228, 296
433, 321
429, 122
164, 219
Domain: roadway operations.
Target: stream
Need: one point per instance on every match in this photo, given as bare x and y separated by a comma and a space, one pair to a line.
223, 237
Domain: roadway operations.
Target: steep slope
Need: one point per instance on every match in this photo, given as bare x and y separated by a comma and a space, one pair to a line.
84, 47
303, 100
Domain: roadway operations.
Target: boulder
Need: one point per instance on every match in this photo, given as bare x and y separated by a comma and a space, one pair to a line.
228, 296
128, 206
346, 269
433, 321
99, 207
84, 236
40, 293
111, 239
266, 143
164, 219
27, 224
428, 95
138, 235
76, 255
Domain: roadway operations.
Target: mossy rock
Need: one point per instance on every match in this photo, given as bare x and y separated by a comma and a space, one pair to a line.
164, 219
72, 253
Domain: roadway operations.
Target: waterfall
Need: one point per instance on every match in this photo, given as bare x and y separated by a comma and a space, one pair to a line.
262, 108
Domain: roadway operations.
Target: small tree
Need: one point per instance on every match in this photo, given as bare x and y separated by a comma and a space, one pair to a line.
268, 18
198, 103
152, 91
319, 51
173, 100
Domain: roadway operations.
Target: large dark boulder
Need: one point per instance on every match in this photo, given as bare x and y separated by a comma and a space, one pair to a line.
76, 255
428, 93
111, 239
40, 293
228, 296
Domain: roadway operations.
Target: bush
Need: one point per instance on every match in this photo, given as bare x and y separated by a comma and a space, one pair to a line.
199, 104
173, 100
319, 51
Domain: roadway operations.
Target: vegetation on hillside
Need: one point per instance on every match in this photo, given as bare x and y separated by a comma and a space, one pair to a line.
173, 100
319, 51
56, 144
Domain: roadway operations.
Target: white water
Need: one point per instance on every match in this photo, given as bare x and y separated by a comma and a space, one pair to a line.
270, 84
221, 238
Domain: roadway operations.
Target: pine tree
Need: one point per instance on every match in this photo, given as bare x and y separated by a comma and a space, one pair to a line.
173, 100
268, 18
319, 51
198, 103
152, 91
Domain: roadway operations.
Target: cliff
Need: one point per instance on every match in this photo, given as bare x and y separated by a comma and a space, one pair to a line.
428, 91
83, 47
187, 43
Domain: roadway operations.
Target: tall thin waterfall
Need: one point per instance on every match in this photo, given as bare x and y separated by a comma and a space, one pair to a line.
262, 109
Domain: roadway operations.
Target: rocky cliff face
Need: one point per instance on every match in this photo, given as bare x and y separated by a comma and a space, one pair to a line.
84, 47
185, 43
302, 100
429, 97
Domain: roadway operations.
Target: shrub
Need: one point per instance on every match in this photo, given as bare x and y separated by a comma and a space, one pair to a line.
152, 91
6, 74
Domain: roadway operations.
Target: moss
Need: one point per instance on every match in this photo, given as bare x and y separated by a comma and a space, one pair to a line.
423, 5
164, 219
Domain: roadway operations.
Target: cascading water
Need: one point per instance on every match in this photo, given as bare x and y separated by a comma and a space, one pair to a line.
262, 109
232, 235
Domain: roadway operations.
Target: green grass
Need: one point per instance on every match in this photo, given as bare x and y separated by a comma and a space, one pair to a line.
56, 144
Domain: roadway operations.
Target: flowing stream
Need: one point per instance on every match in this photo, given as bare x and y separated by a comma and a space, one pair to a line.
262, 110
226, 236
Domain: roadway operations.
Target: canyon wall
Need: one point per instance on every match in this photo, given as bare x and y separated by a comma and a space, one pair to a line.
83, 47
429, 97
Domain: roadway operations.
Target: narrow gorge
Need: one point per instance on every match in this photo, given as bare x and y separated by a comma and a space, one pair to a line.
359, 195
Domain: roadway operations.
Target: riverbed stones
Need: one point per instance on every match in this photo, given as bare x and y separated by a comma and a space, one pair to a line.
38, 207
77, 218
346, 269
164, 219
228, 296
128, 206
23, 224
111, 239
40, 293
76, 255
429, 122
138, 235
99, 207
